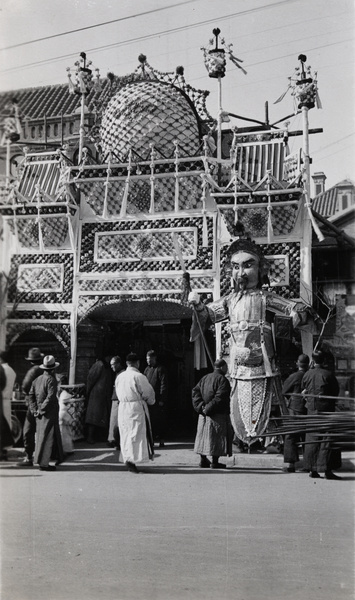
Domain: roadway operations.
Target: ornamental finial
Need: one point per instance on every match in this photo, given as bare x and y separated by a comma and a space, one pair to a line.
304, 86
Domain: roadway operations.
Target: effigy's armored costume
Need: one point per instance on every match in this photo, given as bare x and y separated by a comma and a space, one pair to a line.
255, 378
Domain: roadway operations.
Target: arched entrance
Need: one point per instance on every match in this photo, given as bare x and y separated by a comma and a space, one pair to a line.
139, 326
39, 337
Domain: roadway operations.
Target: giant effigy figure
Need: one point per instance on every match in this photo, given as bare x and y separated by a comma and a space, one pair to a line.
255, 378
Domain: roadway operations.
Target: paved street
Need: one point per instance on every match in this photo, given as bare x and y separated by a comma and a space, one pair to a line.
93, 531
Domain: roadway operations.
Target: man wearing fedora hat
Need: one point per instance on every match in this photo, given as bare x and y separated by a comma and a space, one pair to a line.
34, 357
44, 405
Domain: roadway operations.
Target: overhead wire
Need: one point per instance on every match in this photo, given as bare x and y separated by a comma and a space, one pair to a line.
55, 35
152, 35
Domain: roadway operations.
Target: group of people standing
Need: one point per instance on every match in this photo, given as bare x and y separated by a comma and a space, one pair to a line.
311, 391
314, 392
41, 433
133, 423
133, 427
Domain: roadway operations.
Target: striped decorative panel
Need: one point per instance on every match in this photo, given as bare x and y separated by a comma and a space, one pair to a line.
42, 173
254, 160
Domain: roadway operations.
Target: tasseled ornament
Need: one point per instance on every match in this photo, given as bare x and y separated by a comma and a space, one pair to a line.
124, 200
82, 83
186, 287
71, 85
106, 186
176, 193
126, 189
270, 230
267, 364
316, 229
177, 252
204, 230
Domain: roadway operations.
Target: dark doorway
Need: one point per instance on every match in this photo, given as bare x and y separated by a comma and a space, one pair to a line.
170, 340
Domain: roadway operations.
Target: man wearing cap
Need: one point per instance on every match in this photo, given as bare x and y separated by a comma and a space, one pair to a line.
135, 393
321, 388
34, 357
158, 379
250, 309
210, 399
113, 439
44, 405
295, 403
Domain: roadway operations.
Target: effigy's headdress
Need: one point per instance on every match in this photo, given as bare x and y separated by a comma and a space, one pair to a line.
246, 244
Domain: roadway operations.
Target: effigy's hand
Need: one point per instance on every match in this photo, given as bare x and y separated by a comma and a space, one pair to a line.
194, 298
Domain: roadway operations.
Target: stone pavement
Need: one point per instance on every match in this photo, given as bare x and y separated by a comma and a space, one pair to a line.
92, 530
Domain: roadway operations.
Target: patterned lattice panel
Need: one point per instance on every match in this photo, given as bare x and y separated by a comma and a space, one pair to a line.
54, 231
154, 245
52, 270
140, 255
254, 219
279, 270
144, 284
138, 200
40, 278
139, 193
164, 194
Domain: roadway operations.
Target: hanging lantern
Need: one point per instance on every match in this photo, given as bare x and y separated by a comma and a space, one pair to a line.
83, 74
215, 59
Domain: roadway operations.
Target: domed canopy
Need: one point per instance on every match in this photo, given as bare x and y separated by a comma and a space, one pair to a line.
149, 112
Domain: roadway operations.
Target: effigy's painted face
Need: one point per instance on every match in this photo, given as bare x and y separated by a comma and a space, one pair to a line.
245, 270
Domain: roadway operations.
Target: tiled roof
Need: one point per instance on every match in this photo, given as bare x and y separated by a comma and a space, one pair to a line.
50, 100
326, 203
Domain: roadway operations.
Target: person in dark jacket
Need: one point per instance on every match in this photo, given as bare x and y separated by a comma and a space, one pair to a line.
295, 403
34, 357
44, 405
99, 392
158, 379
321, 388
211, 400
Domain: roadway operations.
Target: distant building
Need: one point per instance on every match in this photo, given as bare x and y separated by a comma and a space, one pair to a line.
333, 272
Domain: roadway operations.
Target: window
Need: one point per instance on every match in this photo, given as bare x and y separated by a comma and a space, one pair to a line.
318, 188
344, 201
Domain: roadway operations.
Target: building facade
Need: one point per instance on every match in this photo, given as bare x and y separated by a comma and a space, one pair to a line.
111, 193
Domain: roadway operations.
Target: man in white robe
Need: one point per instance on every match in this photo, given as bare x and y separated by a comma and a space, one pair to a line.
134, 393
7, 392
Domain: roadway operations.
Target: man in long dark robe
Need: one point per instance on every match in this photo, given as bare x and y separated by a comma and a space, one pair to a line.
158, 379
321, 388
44, 404
29, 427
295, 402
210, 399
